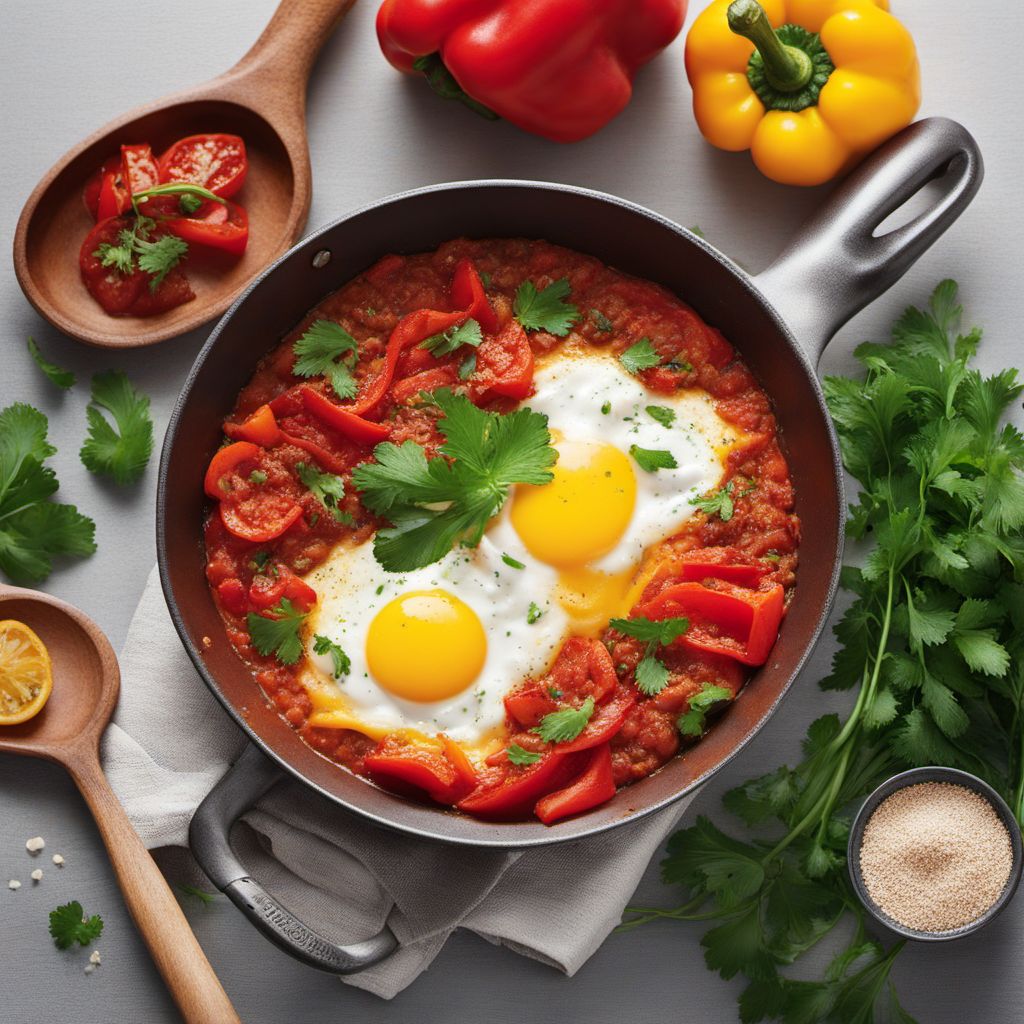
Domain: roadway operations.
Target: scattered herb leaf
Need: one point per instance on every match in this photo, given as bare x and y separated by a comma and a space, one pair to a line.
122, 453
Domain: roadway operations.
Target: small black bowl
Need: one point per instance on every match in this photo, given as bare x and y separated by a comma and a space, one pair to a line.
913, 778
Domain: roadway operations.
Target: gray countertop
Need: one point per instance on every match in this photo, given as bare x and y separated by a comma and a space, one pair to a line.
68, 67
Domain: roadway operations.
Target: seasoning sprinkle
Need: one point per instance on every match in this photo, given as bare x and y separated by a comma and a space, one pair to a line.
935, 856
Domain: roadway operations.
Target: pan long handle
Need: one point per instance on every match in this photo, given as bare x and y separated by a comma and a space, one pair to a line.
245, 782
836, 265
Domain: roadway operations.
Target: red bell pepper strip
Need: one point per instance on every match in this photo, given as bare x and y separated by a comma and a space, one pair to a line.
741, 575
260, 428
515, 793
504, 364
427, 380
594, 786
428, 770
460, 762
529, 703
467, 293
605, 722
342, 419
328, 461
423, 323
727, 619
559, 68
224, 462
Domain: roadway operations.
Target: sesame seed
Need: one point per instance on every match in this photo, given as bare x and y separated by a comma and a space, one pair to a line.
35, 844
14, 884
37, 875
935, 856
58, 860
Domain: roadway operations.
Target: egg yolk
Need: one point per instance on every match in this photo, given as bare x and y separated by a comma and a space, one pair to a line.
425, 646
583, 512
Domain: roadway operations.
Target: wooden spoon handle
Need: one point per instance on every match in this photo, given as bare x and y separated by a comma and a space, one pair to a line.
175, 950
285, 52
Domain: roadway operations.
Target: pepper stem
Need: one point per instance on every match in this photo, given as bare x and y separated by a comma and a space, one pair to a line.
786, 68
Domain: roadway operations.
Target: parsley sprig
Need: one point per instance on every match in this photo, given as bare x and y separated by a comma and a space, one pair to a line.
546, 310
64, 379
651, 674
718, 503
436, 503
327, 488
326, 349
280, 635
931, 646
341, 664
566, 724
466, 333
124, 452
68, 925
33, 529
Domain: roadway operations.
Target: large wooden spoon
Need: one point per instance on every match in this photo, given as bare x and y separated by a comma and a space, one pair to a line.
86, 682
263, 99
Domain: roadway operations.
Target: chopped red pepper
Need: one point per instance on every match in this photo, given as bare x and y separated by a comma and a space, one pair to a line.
342, 419
559, 68
605, 722
726, 619
422, 324
429, 770
514, 792
260, 428
594, 786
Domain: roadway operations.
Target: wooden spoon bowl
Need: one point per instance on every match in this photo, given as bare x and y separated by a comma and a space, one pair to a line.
86, 682
262, 99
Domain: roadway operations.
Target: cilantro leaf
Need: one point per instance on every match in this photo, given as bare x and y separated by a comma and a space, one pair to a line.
651, 675
693, 721
33, 529
662, 413
547, 309
434, 504
566, 724
326, 349
718, 504
280, 635
62, 378
327, 488
660, 632
340, 661
467, 367
202, 895
520, 756
467, 333
122, 453
601, 322
68, 925
640, 356
652, 459
159, 257
533, 613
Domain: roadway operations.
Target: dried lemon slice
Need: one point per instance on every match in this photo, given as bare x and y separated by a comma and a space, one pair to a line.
25, 676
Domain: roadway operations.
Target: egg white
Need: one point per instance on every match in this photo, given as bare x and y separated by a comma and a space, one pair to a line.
573, 391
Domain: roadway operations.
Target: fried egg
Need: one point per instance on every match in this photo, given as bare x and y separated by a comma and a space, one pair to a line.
437, 649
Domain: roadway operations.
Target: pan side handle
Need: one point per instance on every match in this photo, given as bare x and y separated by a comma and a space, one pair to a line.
836, 264
244, 783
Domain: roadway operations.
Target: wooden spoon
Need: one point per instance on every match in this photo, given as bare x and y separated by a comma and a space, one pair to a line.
263, 99
86, 681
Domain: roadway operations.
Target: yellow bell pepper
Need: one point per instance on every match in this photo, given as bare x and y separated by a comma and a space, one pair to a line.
808, 86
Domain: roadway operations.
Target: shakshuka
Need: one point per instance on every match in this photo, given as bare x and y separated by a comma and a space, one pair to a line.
502, 528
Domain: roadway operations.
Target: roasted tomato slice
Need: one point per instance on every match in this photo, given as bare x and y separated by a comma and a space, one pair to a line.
217, 162
91, 192
138, 168
258, 517
214, 230
594, 786
504, 364
114, 198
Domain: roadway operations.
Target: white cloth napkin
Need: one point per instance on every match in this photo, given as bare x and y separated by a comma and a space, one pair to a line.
170, 741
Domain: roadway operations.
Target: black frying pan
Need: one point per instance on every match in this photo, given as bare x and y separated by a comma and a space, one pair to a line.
779, 321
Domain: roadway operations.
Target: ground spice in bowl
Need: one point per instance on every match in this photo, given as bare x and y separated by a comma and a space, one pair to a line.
935, 856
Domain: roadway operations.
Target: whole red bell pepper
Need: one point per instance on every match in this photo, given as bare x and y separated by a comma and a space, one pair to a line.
558, 68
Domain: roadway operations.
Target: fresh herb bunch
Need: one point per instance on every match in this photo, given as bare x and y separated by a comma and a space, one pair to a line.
933, 645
